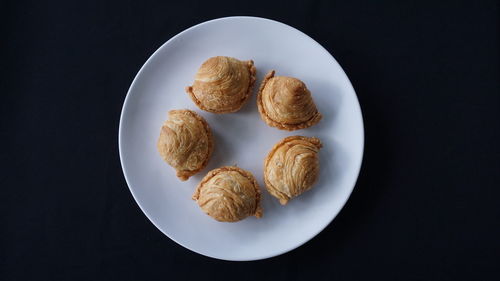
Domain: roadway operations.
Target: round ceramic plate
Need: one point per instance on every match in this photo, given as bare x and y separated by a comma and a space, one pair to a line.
241, 138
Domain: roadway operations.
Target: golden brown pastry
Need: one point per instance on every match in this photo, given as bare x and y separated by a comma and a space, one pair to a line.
229, 194
286, 103
185, 142
292, 167
222, 84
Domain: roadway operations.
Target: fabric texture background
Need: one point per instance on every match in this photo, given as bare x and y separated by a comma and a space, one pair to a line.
426, 205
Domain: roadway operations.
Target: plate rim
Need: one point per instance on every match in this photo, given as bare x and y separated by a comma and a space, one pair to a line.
257, 257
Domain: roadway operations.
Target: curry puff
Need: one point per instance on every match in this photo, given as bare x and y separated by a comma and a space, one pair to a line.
286, 103
186, 142
229, 194
292, 167
222, 84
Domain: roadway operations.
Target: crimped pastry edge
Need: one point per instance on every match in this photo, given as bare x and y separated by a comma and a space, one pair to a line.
251, 69
282, 126
283, 198
184, 175
258, 209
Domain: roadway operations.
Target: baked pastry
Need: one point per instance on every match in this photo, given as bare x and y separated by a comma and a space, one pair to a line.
185, 142
222, 84
229, 194
292, 167
286, 103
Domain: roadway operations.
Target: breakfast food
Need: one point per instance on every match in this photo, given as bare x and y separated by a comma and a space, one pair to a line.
185, 142
229, 194
286, 103
292, 167
222, 84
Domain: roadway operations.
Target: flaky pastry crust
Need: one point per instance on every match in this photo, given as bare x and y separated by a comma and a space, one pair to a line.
292, 167
222, 84
229, 194
186, 142
286, 103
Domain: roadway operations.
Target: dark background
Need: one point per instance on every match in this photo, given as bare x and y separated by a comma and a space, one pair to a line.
427, 202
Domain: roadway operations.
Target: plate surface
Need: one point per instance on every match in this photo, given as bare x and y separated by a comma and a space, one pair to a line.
241, 138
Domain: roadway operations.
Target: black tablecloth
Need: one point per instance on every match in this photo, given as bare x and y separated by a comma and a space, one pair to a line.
426, 205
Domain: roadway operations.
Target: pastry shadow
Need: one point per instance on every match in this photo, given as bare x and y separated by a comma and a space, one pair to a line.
331, 158
250, 106
328, 100
222, 151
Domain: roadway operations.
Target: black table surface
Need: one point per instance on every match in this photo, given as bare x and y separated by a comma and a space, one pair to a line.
427, 202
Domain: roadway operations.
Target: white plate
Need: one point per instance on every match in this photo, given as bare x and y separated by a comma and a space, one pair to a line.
241, 138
